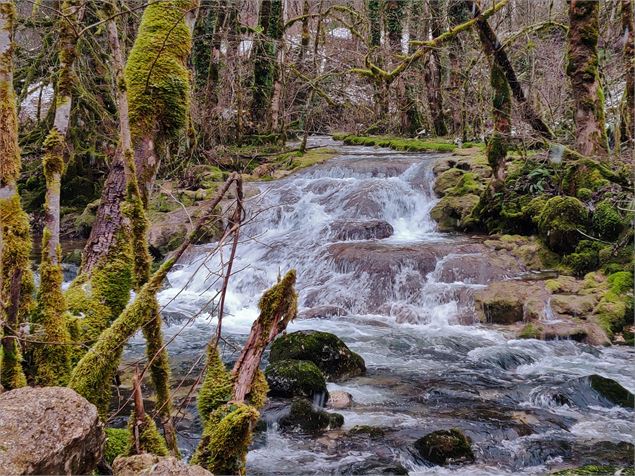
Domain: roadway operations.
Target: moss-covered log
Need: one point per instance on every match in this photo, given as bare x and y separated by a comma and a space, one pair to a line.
16, 281
582, 69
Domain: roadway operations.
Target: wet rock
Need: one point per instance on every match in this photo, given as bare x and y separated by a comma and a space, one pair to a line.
361, 230
477, 268
168, 230
445, 447
339, 400
371, 431
322, 311
612, 391
50, 430
503, 302
573, 305
447, 180
453, 212
327, 351
573, 329
305, 417
148, 464
295, 378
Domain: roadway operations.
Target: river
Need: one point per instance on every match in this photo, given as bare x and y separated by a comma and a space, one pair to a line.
404, 304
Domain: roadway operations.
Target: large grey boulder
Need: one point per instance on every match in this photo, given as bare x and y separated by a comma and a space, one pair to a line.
50, 430
147, 464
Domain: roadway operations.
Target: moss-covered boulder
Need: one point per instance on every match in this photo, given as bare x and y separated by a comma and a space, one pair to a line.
295, 378
611, 391
447, 180
327, 351
445, 447
560, 221
606, 221
304, 416
454, 212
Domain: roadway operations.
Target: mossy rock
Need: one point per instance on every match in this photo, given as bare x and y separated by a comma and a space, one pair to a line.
117, 444
445, 447
454, 213
371, 431
305, 417
606, 221
448, 179
327, 351
620, 282
295, 378
530, 331
468, 183
592, 469
611, 391
560, 221
586, 257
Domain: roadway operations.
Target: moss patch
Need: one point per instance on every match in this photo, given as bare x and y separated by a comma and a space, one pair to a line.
398, 143
295, 378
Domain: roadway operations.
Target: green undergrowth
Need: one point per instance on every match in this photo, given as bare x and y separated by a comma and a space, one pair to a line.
398, 143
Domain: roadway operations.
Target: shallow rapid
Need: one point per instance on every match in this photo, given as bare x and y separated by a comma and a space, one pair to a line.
373, 270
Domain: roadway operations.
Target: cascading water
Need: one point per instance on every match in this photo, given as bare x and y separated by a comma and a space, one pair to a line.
358, 231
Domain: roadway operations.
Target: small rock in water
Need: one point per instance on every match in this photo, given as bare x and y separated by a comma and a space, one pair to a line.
295, 378
327, 351
612, 391
50, 430
305, 417
372, 431
339, 400
445, 447
362, 230
148, 464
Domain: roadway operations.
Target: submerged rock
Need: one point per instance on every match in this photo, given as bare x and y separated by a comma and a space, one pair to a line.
295, 378
148, 464
361, 230
322, 311
445, 447
327, 351
305, 417
50, 430
612, 391
371, 431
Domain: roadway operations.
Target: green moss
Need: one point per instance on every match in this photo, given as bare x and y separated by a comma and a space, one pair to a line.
530, 331
217, 385
584, 194
226, 438
327, 351
445, 447
398, 143
468, 184
372, 431
447, 180
304, 416
52, 353
156, 73
257, 396
560, 221
295, 378
150, 440
117, 441
585, 258
454, 213
15, 235
606, 221
94, 373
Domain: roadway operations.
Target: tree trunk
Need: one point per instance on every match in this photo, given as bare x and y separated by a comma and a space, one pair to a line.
582, 69
433, 73
457, 14
411, 115
16, 281
494, 49
394, 11
627, 116
501, 114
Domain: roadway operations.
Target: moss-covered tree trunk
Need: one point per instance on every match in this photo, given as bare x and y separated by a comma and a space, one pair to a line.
51, 357
16, 281
501, 114
433, 72
582, 69
627, 113
493, 48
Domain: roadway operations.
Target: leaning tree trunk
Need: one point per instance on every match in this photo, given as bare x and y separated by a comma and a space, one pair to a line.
493, 48
627, 114
51, 357
582, 69
16, 280
433, 73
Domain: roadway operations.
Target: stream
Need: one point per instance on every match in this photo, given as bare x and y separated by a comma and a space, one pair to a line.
404, 303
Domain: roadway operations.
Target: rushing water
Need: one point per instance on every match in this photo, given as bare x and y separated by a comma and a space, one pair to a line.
403, 303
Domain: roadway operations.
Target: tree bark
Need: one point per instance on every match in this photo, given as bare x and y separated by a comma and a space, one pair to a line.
16, 281
627, 116
433, 73
494, 49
